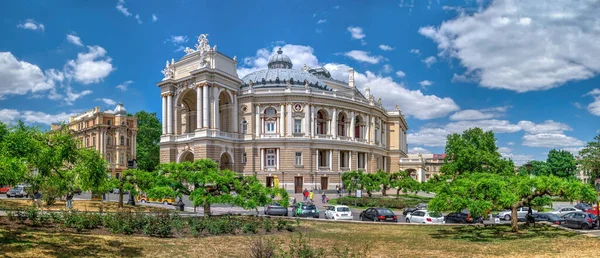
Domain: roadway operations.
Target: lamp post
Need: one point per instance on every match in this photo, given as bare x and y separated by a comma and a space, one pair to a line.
530, 218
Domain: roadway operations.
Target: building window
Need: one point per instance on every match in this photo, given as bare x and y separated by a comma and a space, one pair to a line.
122, 140
270, 120
323, 159
321, 122
298, 158
341, 125
298, 126
108, 141
270, 127
362, 160
244, 157
344, 159
118, 175
108, 122
87, 141
270, 158
108, 158
122, 159
244, 126
93, 140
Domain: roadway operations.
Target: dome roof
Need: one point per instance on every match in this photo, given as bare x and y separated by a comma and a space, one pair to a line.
280, 61
120, 110
280, 78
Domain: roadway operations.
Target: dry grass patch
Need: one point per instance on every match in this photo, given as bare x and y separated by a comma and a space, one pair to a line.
79, 205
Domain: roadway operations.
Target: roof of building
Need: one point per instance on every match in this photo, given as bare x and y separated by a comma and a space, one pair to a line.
120, 110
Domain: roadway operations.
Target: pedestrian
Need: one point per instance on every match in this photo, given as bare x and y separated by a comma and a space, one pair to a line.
38, 199
70, 201
337, 188
305, 194
323, 197
311, 196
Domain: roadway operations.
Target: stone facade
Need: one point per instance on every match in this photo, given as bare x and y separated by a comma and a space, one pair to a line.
300, 126
422, 166
112, 133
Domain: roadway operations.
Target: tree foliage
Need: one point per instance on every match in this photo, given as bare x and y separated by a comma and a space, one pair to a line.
148, 139
561, 163
590, 157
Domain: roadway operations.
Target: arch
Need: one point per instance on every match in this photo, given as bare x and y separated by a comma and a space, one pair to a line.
270, 120
322, 120
185, 156
226, 161
185, 121
359, 126
226, 118
342, 121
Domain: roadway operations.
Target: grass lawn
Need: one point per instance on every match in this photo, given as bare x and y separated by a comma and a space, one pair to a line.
80, 205
378, 240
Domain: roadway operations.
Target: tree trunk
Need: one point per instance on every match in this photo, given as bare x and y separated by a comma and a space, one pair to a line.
121, 197
514, 219
369, 194
398, 193
206, 208
384, 191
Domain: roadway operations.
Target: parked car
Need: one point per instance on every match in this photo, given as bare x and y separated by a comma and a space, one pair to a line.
583, 206
338, 212
463, 217
549, 217
17, 192
580, 220
305, 209
4, 189
425, 217
77, 191
564, 210
276, 209
521, 213
420, 206
378, 214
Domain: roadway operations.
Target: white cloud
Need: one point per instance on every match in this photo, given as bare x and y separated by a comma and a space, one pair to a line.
108, 102
90, 67
471, 114
177, 40
122, 9
123, 86
412, 103
72, 96
74, 39
386, 47
322, 21
431, 137
498, 126
20, 77
357, 32
523, 45
154, 18
400, 74
594, 107
336, 7
550, 140
548, 126
425, 83
418, 150
415, 51
137, 18
387, 68
31, 24
510, 143
363, 56
12, 115
319, 31
429, 61
504, 150
518, 159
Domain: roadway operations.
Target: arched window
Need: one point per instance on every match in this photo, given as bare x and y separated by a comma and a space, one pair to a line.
321, 122
341, 124
244, 126
122, 140
108, 141
270, 120
357, 128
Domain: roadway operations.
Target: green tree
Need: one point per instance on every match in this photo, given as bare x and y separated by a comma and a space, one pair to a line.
538, 168
148, 139
561, 163
384, 179
402, 181
353, 180
590, 157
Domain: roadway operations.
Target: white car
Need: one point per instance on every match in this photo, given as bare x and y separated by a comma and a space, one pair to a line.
564, 210
425, 217
521, 213
338, 212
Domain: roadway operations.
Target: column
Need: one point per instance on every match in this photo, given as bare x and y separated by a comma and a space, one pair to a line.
289, 117
306, 120
198, 107
277, 159
257, 120
317, 161
170, 113
262, 159
281, 120
101, 139
164, 114
334, 124
350, 160
205, 107
367, 129
134, 146
312, 121
236, 121
352, 125
215, 99
330, 160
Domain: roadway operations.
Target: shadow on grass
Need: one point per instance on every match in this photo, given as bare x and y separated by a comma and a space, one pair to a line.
62, 245
497, 233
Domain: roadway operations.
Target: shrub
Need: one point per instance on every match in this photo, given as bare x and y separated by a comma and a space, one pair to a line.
56, 217
11, 216
178, 223
300, 248
45, 218
197, 225
262, 248
281, 224
250, 227
159, 225
290, 228
22, 215
393, 203
267, 225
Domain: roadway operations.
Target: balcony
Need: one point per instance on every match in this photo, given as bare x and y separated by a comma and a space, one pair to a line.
270, 136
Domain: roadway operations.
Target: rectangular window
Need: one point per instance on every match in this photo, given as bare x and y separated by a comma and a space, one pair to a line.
344, 159
298, 158
108, 122
244, 157
270, 158
122, 141
93, 140
244, 126
270, 127
122, 159
298, 126
361, 160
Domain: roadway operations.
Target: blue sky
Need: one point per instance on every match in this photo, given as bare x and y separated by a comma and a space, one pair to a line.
526, 71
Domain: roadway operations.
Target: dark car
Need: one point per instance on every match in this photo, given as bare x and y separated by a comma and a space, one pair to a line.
420, 206
463, 217
580, 220
583, 206
77, 191
549, 217
378, 214
305, 209
17, 192
276, 209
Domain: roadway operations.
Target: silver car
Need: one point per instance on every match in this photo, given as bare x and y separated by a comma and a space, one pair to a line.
521, 213
425, 217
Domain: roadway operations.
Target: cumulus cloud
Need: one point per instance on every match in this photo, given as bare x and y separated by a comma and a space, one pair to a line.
413, 103
108, 102
418, 150
122, 9
400, 74
90, 67
154, 18
594, 107
20, 77
415, 51
137, 18
322, 21
35, 117
425, 83
550, 140
386, 47
471, 114
123, 86
74, 39
363, 56
547, 126
523, 45
387, 68
429, 61
357, 33
31, 24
